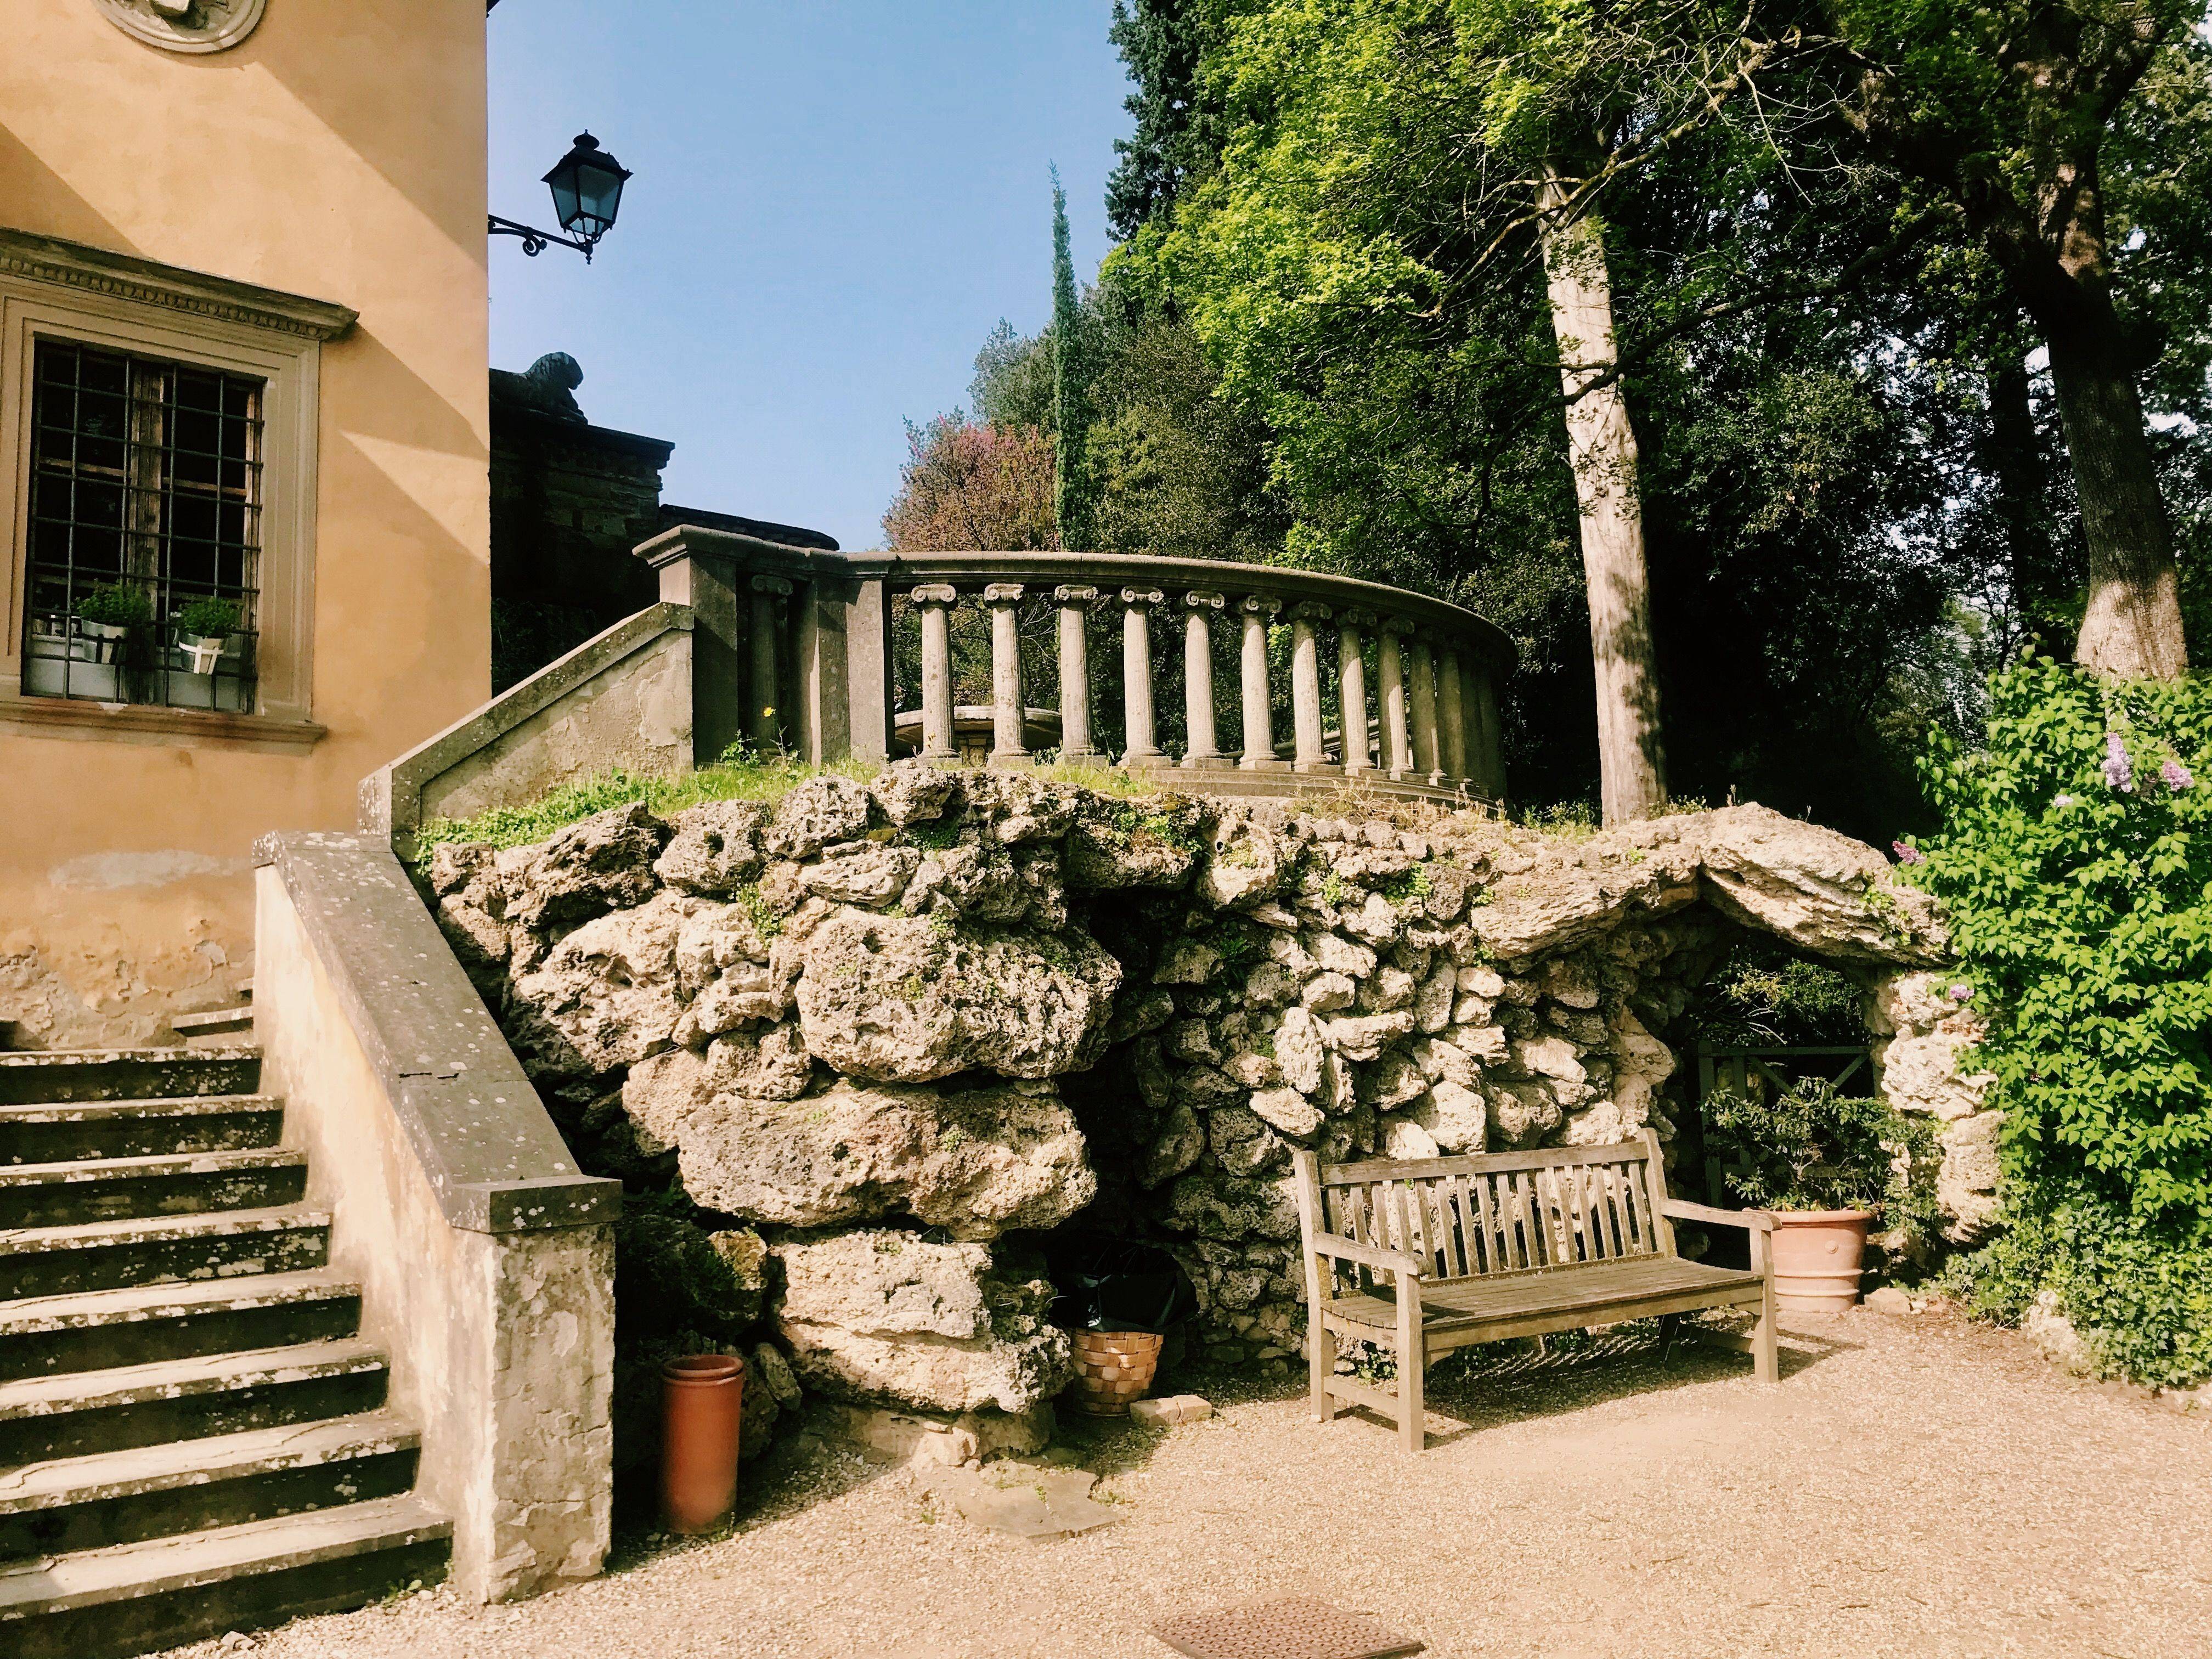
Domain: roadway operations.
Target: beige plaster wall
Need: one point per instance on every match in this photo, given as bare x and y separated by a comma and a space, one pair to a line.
337, 154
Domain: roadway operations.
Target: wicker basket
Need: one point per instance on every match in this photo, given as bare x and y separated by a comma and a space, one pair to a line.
1112, 1368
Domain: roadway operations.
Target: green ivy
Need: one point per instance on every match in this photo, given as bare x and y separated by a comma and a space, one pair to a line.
2075, 865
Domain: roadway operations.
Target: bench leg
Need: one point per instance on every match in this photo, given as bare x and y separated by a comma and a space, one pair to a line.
1412, 1361
1765, 1362
1321, 1365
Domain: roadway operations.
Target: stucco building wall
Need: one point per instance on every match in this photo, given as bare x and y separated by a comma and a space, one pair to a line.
337, 153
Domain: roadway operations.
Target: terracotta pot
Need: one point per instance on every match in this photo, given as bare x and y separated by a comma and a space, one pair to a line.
1816, 1259
1113, 1369
702, 1400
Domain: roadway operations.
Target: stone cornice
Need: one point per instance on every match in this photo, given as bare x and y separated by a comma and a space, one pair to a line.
126, 276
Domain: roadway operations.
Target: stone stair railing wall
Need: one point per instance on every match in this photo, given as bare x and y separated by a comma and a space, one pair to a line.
792, 648
485, 1257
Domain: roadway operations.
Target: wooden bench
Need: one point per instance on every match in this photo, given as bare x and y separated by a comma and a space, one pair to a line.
1420, 1257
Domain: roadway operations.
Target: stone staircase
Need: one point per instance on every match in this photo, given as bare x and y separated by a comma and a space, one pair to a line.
193, 1436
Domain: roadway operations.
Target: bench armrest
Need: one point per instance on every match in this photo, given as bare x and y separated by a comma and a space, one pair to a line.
1681, 1209
1367, 1256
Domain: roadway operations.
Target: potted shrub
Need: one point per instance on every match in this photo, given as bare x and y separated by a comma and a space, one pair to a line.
106, 615
1825, 1166
204, 629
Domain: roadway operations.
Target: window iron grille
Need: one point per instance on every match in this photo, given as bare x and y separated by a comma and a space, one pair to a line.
144, 534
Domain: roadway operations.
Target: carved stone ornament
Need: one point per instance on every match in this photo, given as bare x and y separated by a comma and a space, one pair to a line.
185, 25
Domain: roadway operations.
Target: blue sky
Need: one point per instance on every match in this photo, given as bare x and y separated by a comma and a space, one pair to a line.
835, 201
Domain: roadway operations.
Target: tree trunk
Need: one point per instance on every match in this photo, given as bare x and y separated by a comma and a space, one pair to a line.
2012, 454
2132, 627
1602, 446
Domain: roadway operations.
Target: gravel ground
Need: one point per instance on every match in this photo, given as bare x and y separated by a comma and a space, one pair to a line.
1915, 1486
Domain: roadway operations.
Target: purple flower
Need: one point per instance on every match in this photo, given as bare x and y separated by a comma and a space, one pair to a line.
1962, 993
2118, 774
1907, 853
2176, 776
2060, 803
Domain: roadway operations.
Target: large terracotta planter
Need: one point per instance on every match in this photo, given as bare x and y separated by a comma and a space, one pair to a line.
1816, 1254
702, 1399
1113, 1369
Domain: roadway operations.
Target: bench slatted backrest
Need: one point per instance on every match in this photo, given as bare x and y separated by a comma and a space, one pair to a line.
1509, 1212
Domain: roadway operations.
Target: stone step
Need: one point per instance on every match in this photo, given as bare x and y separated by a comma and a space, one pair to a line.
107, 1255
55, 1131
48, 1075
135, 1598
216, 1023
51, 1335
43, 1418
159, 1492
127, 1189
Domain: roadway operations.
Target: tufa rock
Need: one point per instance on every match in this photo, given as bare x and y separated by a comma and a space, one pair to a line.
978, 1163
909, 1000
819, 813
716, 849
602, 863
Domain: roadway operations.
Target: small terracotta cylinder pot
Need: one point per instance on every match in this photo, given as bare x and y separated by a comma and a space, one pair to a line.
703, 1398
1113, 1369
1816, 1259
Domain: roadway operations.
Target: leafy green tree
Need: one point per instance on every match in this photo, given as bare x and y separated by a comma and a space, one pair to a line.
2003, 109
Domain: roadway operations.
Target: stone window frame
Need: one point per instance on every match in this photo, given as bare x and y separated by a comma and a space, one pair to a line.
53, 289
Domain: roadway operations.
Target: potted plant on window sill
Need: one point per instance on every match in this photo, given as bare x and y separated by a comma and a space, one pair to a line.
204, 630
1825, 1166
105, 617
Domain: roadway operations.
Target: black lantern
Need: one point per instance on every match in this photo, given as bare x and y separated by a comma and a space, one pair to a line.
587, 186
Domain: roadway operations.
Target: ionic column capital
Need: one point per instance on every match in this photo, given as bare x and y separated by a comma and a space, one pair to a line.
776, 585
1398, 625
1074, 594
998, 593
1357, 619
1142, 599
1200, 599
1310, 610
936, 594
1258, 605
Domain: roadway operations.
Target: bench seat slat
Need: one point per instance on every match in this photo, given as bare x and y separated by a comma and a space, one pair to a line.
1457, 1303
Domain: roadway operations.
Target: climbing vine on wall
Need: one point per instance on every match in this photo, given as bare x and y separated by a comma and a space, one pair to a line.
2076, 862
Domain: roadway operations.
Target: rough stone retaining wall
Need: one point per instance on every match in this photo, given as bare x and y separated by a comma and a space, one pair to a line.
858, 1051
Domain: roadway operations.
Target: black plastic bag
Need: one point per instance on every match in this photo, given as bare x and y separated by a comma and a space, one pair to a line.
1117, 1285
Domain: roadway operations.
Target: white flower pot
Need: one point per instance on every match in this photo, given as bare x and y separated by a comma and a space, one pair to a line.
201, 652
103, 638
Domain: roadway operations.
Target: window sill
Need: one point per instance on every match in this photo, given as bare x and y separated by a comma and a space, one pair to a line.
59, 717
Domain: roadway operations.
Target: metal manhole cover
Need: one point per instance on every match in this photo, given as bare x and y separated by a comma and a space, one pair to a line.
1295, 1628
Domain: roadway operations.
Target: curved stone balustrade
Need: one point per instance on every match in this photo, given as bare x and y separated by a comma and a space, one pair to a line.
811, 644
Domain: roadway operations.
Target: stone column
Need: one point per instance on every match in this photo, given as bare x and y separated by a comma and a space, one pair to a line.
935, 601
1200, 751
1141, 745
1428, 763
1305, 687
1352, 690
1004, 600
1451, 716
1489, 761
763, 714
1397, 744
1075, 745
1259, 711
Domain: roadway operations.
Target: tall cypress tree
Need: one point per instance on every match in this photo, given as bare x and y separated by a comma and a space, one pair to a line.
1072, 495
